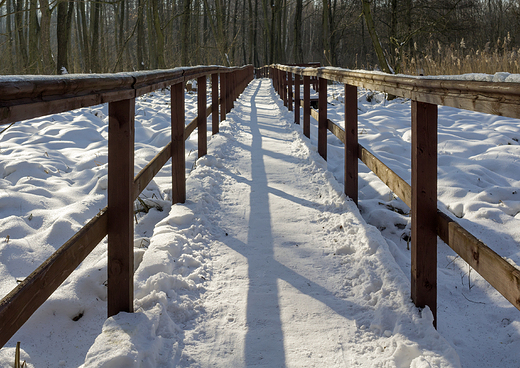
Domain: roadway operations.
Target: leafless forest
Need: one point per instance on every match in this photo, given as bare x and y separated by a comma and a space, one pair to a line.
413, 36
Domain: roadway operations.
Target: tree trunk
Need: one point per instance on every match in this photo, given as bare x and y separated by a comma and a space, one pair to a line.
62, 36
95, 11
185, 28
141, 51
82, 21
34, 35
48, 66
297, 46
21, 43
10, 45
373, 35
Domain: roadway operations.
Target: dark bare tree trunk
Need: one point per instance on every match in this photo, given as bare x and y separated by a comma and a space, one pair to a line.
21, 42
64, 18
141, 50
383, 63
185, 28
34, 35
297, 47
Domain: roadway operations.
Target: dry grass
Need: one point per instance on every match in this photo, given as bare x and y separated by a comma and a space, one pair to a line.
457, 59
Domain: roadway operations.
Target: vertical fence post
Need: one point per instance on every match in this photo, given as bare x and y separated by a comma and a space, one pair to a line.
178, 145
121, 134
424, 206
202, 125
297, 98
351, 143
307, 106
322, 123
223, 90
229, 94
214, 104
276, 74
290, 91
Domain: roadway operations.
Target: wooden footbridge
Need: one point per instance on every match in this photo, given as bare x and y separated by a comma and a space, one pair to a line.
29, 97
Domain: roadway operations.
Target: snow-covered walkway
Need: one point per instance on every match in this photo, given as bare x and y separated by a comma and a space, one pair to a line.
267, 264
283, 271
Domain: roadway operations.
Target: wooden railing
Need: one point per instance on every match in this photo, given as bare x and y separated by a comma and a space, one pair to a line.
421, 196
30, 97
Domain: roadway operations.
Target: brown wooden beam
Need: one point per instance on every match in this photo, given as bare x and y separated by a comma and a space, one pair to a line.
322, 122
424, 206
19, 305
351, 143
214, 104
202, 125
306, 107
121, 206
297, 97
178, 145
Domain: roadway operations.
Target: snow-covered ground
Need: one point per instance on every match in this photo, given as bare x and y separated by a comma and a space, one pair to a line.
267, 263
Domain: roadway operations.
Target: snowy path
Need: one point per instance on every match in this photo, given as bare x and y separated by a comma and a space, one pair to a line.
282, 228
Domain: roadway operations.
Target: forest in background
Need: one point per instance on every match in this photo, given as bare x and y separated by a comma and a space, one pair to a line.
415, 36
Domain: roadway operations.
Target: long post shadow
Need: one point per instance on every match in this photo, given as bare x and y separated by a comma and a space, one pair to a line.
264, 341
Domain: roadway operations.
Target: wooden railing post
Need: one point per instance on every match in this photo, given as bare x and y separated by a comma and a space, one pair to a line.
307, 106
284, 87
229, 97
178, 145
351, 143
297, 98
322, 123
223, 92
121, 134
290, 91
424, 206
202, 126
214, 104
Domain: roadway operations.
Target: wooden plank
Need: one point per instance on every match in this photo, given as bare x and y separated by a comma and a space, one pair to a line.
214, 104
22, 111
120, 206
306, 107
397, 184
297, 98
424, 206
178, 144
502, 275
146, 175
289, 91
333, 128
18, 306
351, 143
498, 98
223, 96
202, 146
322, 120
284, 88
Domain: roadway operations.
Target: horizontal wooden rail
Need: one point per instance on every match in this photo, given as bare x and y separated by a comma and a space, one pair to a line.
17, 306
23, 98
496, 98
67, 93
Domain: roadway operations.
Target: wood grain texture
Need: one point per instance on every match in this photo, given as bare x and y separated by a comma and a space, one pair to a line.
297, 98
214, 104
18, 306
424, 206
178, 145
351, 143
202, 136
121, 134
322, 118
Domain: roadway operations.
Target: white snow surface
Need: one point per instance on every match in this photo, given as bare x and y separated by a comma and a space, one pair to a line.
267, 263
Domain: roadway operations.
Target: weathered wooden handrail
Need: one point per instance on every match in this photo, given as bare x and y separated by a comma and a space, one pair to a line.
29, 97
427, 221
